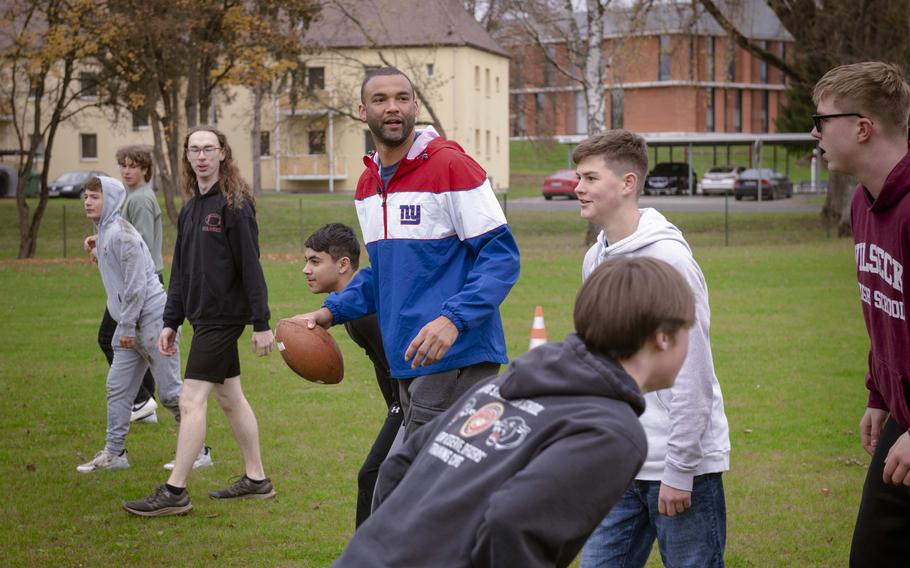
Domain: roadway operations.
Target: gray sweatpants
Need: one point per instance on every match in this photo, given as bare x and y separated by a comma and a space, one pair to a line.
127, 370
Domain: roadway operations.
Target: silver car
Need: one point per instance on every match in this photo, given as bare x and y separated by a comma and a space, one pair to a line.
720, 180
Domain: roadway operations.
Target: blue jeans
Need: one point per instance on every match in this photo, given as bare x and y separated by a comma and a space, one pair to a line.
694, 538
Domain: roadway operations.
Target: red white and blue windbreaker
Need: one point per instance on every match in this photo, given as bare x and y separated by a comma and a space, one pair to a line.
439, 245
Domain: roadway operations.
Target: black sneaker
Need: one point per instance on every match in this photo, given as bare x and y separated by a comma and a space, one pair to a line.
246, 488
160, 503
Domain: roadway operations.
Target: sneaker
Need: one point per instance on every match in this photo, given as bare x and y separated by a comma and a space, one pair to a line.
105, 460
246, 488
150, 419
144, 410
160, 503
204, 459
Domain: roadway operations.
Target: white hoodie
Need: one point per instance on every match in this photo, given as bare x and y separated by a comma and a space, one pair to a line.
686, 426
126, 266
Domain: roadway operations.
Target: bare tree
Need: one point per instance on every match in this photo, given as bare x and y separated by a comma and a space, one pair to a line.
46, 46
827, 33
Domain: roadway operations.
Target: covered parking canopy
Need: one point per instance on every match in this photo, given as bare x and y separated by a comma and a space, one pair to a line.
687, 141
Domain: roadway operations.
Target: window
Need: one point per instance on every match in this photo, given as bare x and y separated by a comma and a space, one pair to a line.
88, 146
317, 141
763, 65
88, 85
539, 99
710, 50
429, 69
39, 151
709, 115
497, 145
486, 144
764, 111
315, 79
477, 77
497, 84
783, 57
264, 143
731, 66
616, 108
486, 82
518, 125
477, 140
141, 119
663, 72
738, 111
581, 114
548, 66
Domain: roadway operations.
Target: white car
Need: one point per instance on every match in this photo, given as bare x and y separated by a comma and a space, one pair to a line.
720, 180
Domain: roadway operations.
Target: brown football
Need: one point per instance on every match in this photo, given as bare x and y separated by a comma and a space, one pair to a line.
311, 353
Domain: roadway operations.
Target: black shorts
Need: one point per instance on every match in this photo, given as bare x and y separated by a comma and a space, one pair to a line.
213, 353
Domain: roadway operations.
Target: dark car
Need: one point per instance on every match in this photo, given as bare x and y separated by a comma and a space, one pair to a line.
670, 178
71, 184
773, 184
562, 182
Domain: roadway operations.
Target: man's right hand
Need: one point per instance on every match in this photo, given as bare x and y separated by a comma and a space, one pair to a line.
870, 428
167, 342
322, 316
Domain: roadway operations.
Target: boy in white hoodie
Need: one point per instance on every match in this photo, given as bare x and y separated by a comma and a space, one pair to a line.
677, 496
135, 300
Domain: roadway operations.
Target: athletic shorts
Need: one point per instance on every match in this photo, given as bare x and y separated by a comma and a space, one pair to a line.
213, 353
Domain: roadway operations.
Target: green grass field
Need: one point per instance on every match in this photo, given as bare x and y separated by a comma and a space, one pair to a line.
789, 347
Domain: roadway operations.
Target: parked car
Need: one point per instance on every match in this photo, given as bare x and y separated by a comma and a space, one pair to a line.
71, 184
720, 180
670, 178
562, 182
773, 184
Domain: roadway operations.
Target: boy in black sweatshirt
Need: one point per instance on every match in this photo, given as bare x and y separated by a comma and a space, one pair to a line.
522, 469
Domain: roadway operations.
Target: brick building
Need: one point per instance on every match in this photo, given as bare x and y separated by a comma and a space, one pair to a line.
676, 70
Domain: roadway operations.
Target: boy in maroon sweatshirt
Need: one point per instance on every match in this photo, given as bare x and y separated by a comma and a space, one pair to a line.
861, 127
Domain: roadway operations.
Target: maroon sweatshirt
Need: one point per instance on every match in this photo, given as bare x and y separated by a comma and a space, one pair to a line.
881, 233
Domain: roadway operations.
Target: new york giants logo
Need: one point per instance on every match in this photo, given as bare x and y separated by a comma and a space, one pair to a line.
410, 214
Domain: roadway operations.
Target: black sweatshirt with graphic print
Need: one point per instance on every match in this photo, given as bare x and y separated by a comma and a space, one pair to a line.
519, 472
216, 277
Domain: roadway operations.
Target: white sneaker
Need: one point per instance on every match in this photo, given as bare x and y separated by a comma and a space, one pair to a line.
204, 459
105, 460
150, 419
144, 411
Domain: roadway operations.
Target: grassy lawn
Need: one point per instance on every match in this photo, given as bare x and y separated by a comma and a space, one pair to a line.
789, 347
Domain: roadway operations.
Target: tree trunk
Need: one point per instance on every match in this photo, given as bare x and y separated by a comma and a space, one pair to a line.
257, 139
837, 203
191, 104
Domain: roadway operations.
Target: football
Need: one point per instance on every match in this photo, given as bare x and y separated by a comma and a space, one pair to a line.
311, 353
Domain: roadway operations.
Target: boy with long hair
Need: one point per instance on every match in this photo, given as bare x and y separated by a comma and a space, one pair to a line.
217, 284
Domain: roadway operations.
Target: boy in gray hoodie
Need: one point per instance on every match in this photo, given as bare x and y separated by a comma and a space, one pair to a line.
135, 300
519, 471
678, 495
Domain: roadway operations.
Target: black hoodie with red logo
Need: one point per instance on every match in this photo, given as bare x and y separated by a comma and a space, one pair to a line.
216, 277
518, 472
881, 233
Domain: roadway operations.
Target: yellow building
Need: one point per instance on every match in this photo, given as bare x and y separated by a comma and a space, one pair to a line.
318, 144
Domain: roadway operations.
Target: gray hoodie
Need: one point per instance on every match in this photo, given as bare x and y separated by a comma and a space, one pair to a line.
126, 266
686, 425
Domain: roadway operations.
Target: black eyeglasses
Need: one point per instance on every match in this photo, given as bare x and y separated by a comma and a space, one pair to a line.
819, 118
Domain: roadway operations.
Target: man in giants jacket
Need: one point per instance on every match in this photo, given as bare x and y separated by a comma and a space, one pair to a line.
442, 256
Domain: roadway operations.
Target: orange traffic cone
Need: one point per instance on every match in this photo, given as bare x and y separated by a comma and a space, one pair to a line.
538, 330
